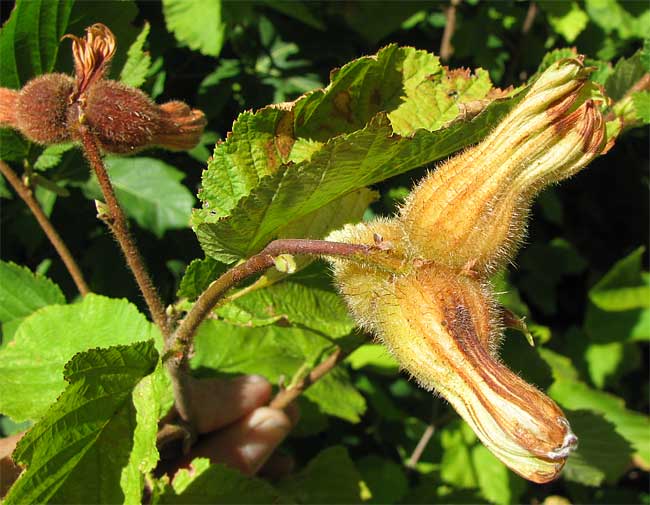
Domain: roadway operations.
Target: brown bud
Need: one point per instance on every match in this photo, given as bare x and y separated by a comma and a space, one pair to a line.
126, 120
41, 109
123, 118
180, 127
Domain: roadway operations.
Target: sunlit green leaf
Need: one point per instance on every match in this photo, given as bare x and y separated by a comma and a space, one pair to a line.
277, 352
76, 453
22, 292
31, 369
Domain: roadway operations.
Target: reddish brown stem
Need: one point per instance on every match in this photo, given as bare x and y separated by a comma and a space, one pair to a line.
254, 265
286, 396
25, 193
446, 49
120, 229
176, 359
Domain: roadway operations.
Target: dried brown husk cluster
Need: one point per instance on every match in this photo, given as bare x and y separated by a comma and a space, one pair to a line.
437, 313
50, 108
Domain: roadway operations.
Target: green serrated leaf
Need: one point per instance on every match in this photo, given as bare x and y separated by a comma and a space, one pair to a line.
76, 453
31, 368
22, 292
138, 61
152, 399
206, 483
330, 477
198, 276
566, 18
51, 156
602, 454
150, 192
196, 23
277, 352
626, 73
344, 164
260, 144
300, 300
28, 47
641, 102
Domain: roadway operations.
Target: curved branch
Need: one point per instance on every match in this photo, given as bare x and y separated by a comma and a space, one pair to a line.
254, 265
55, 239
286, 396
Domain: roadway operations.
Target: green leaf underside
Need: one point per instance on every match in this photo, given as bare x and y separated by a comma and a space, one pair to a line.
196, 23
138, 61
300, 300
380, 116
76, 453
31, 365
29, 42
343, 165
51, 156
347, 209
274, 352
150, 192
623, 288
22, 292
152, 398
206, 483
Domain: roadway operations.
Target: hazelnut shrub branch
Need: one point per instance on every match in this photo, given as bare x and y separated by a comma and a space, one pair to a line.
118, 225
177, 355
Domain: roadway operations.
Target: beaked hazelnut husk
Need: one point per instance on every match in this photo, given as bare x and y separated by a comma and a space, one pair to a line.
51, 108
436, 311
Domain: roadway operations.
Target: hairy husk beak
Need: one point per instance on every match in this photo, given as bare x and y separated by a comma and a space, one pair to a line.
436, 313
